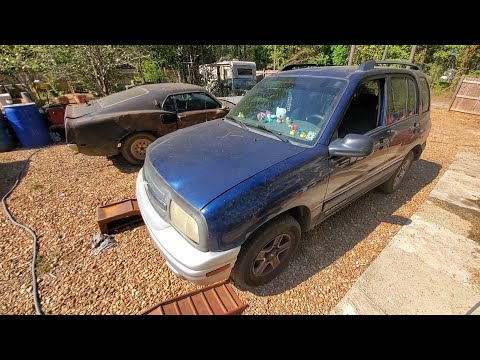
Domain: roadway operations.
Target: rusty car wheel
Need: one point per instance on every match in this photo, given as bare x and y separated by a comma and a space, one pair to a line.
134, 147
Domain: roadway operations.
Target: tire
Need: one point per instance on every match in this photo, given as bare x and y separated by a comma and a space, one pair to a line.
394, 182
134, 147
267, 241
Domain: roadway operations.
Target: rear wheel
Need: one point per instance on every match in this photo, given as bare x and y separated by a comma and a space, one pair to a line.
398, 176
267, 253
134, 147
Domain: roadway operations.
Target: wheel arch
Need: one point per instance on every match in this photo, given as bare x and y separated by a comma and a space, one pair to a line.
133, 132
300, 213
417, 151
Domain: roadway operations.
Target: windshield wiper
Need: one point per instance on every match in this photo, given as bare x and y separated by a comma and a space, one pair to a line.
237, 121
278, 135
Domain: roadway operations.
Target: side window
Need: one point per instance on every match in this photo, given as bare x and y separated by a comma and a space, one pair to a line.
210, 103
169, 104
398, 98
201, 101
424, 95
412, 97
363, 113
402, 99
182, 102
196, 101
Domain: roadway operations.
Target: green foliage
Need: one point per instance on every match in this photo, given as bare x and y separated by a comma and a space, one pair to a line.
37, 186
340, 54
42, 266
95, 68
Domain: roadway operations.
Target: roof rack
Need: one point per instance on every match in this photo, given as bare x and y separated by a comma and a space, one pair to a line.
298, 66
370, 64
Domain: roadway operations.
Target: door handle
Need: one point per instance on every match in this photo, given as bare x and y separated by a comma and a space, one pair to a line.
415, 127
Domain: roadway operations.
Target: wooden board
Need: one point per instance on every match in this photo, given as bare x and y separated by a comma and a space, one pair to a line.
216, 299
467, 96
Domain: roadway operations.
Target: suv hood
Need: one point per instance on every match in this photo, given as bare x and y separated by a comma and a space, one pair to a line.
202, 162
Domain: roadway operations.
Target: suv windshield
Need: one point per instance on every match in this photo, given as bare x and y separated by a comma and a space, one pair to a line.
298, 107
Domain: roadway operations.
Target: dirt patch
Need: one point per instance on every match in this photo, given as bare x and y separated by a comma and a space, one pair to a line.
469, 215
442, 100
133, 276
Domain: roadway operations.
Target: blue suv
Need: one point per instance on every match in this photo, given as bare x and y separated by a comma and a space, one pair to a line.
231, 197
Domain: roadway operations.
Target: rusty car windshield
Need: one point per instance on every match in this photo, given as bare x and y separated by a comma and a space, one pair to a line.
122, 96
297, 107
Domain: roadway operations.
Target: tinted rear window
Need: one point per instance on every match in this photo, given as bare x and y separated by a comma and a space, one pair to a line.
402, 99
424, 95
122, 96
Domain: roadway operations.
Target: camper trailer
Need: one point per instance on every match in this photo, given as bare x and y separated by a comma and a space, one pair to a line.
229, 77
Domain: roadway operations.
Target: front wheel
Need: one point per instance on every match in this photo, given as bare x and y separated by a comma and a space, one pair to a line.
398, 176
134, 147
267, 253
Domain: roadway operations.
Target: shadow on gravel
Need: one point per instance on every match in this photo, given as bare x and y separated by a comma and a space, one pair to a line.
121, 164
328, 241
8, 175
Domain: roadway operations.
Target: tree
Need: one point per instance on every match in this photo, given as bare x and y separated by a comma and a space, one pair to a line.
97, 65
21, 62
340, 54
469, 59
57, 64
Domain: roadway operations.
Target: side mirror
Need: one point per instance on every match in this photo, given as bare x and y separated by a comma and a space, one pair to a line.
352, 145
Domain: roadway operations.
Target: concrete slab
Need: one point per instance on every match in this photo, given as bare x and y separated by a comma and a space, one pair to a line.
460, 183
432, 265
440, 248
400, 283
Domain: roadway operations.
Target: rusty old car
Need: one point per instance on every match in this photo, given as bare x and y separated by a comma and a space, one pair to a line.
128, 121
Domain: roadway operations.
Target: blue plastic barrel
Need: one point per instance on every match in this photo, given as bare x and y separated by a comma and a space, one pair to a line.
7, 141
28, 125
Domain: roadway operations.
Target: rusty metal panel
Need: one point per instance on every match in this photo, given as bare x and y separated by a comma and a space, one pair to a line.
216, 299
116, 215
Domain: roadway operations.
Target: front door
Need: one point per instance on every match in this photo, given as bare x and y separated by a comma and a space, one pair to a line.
190, 110
350, 176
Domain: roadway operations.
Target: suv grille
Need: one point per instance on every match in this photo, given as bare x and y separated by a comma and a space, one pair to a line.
157, 197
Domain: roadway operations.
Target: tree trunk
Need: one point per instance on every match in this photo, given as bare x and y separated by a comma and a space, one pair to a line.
412, 53
352, 55
385, 51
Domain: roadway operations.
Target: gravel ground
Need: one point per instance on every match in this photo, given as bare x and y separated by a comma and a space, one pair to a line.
59, 195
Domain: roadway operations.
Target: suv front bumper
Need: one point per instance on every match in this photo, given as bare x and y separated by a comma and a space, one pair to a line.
182, 258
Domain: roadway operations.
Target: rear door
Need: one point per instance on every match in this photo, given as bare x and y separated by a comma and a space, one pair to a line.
402, 118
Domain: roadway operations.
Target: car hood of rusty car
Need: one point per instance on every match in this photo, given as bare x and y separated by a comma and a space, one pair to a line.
202, 162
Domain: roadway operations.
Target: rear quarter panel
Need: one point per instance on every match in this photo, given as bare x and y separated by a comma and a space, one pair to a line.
100, 135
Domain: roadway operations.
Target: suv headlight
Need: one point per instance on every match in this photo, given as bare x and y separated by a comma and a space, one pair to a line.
184, 222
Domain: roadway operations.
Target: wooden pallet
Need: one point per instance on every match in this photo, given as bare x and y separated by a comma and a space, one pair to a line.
216, 299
